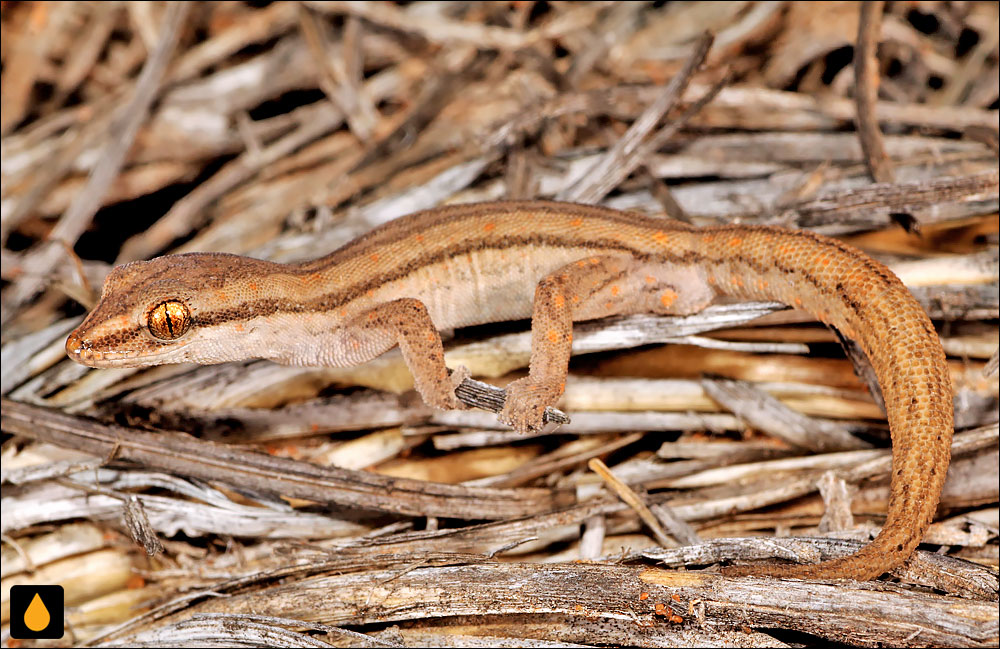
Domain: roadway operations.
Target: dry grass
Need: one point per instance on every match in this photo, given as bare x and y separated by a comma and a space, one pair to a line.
134, 129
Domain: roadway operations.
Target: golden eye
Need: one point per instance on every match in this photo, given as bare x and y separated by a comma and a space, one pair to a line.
168, 320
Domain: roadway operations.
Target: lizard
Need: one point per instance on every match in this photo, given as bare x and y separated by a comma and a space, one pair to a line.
463, 265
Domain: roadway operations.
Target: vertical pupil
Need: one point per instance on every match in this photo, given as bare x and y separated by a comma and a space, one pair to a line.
169, 320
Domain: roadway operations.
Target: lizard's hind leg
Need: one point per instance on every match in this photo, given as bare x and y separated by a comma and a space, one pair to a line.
589, 288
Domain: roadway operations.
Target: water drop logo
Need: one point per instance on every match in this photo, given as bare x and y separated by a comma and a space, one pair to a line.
36, 612
37, 617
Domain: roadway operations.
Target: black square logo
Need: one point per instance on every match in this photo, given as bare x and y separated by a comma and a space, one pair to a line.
36, 612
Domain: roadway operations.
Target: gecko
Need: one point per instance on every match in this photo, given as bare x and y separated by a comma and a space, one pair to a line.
557, 263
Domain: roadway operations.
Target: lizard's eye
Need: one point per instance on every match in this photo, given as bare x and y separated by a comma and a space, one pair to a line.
168, 320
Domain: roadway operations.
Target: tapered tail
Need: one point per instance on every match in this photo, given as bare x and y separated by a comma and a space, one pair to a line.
861, 298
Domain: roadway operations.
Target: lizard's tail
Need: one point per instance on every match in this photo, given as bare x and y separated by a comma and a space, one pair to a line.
861, 298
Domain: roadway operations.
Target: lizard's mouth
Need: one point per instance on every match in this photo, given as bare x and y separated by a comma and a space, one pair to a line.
81, 351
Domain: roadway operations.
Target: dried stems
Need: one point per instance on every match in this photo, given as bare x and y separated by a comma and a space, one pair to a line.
132, 130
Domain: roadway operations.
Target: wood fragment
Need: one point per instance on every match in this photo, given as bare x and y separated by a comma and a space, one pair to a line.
277, 476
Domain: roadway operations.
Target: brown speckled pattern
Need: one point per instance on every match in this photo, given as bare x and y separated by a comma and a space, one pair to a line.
470, 264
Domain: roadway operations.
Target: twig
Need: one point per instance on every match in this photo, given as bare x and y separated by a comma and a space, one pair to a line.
331, 74
603, 184
620, 159
439, 29
766, 413
182, 216
866, 79
632, 499
272, 475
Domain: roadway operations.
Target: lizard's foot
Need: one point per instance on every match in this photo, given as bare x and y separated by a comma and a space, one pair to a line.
526, 402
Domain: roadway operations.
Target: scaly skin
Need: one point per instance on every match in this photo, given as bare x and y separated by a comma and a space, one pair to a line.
471, 264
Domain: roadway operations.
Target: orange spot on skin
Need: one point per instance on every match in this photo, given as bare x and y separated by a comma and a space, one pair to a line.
239, 327
559, 300
370, 293
735, 242
371, 316
608, 305
643, 596
661, 237
577, 222
825, 261
418, 237
38, 16
578, 607
581, 263
650, 279
576, 299
430, 336
552, 335
135, 582
615, 290
595, 260
709, 238
668, 297
374, 256
489, 227
343, 313
798, 301
253, 286
738, 281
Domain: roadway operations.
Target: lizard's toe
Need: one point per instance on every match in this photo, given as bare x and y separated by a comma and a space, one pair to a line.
524, 409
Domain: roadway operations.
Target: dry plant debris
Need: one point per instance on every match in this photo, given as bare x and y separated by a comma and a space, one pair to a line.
258, 504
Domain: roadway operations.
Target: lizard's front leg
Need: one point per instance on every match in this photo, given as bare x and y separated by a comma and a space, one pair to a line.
567, 294
407, 323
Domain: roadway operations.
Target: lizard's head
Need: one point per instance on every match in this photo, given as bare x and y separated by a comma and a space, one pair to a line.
173, 309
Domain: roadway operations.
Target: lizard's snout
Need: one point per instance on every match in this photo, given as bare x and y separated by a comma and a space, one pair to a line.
79, 349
